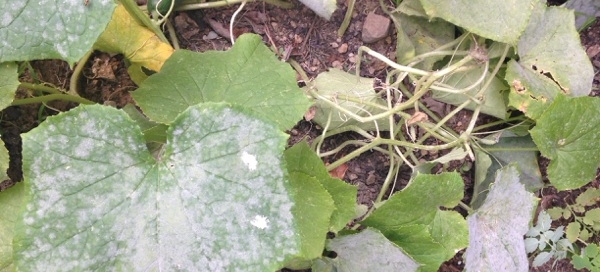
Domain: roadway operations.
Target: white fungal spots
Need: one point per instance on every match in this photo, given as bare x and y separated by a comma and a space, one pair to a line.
249, 160
260, 222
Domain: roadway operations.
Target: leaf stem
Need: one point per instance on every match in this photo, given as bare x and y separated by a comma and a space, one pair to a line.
50, 97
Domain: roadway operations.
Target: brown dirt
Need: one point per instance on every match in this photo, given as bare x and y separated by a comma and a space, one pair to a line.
297, 34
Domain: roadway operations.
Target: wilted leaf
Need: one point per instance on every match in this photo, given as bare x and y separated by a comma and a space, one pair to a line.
53, 29
216, 199
323, 8
490, 158
567, 133
248, 75
336, 85
369, 251
551, 62
137, 43
496, 229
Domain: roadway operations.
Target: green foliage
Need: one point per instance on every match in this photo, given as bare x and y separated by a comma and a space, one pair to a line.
199, 180
68, 30
585, 219
247, 75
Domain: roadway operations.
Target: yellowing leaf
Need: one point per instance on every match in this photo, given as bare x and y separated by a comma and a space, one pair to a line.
139, 44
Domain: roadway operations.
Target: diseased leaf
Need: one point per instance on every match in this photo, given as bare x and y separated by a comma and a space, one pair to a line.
567, 133
323, 8
417, 207
10, 210
552, 62
337, 86
53, 29
492, 99
217, 199
496, 229
300, 159
9, 81
248, 75
418, 35
490, 158
369, 251
124, 35
502, 21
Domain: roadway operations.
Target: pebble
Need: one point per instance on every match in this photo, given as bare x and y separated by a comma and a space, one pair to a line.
375, 28
343, 48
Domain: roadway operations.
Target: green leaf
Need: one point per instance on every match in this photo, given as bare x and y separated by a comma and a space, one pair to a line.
9, 82
572, 231
490, 158
248, 75
552, 61
492, 99
313, 210
417, 207
10, 209
369, 251
301, 159
496, 229
338, 86
54, 29
591, 196
323, 8
216, 199
499, 20
567, 133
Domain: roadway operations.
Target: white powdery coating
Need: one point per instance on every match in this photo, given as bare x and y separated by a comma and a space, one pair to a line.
240, 208
249, 160
79, 188
63, 28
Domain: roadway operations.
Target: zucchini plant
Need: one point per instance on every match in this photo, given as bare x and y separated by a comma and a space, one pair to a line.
200, 178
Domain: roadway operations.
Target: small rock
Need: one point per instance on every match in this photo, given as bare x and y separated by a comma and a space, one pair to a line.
375, 28
337, 64
334, 45
593, 50
343, 48
352, 176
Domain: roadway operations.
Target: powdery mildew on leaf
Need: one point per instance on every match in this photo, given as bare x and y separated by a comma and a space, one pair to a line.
44, 29
99, 200
496, 230
369, 250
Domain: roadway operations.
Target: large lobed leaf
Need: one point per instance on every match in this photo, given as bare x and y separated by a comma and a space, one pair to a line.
567, 133
412, 219
496, 229
53, 29
216, 199
552, 61
499, 20
248, 75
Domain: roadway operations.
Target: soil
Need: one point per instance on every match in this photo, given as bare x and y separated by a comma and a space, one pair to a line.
297, 34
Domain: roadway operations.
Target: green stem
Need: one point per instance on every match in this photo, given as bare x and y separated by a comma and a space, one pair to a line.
217, 4
50, 97
347, 18
74, 80
40, 87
